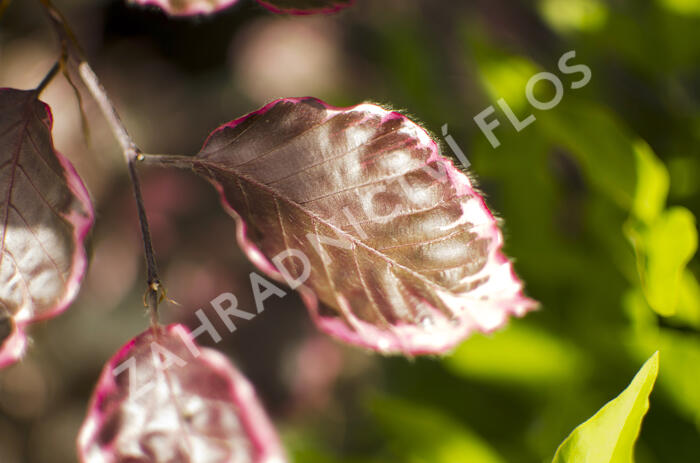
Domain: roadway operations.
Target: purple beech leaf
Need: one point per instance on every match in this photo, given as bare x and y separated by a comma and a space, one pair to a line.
45, 215
162, 398
187, 7
195, 7
395, 249
305, 6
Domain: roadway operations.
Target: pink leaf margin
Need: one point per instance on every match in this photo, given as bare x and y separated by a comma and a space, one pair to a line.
485, 317
204, 7
14, 347
257, 425
301, 12
191, 8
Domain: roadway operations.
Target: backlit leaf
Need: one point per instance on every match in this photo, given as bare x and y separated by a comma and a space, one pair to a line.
359, 206
688, 308
663, 249
195, 7
681, 351
305, 6
609, 436
45, 214
652, 184
187, 7
161, 399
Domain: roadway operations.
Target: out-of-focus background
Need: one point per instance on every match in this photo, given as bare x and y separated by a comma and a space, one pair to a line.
597, 196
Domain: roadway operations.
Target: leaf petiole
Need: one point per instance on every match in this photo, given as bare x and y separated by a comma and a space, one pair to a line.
48, 77
168, 160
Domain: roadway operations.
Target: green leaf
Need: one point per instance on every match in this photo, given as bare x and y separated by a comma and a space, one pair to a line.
688, 309
681, 350
609, 436
652, 184
663, 249
681, 368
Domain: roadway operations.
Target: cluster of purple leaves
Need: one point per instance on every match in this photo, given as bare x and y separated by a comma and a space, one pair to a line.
398, 251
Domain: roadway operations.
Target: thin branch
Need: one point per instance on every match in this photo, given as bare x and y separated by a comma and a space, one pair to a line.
48, 78
129, 148
155, 292
145, 231
131, 154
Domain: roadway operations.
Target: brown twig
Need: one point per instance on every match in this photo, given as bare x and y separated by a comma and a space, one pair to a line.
155, 292
48, 78
132, 154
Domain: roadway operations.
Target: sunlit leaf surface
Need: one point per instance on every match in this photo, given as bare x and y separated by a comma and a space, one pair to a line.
610, 434
663, 250
187, 7
163, 399
305, 6
395, 249
45, 214
196, 7
652, 186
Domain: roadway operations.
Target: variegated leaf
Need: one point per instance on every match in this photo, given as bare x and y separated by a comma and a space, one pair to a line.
195, 7
187, 7
305, 6
45, 214
396, 250
163, 399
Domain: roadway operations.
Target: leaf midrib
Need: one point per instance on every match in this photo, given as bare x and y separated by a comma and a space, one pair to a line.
279, 196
